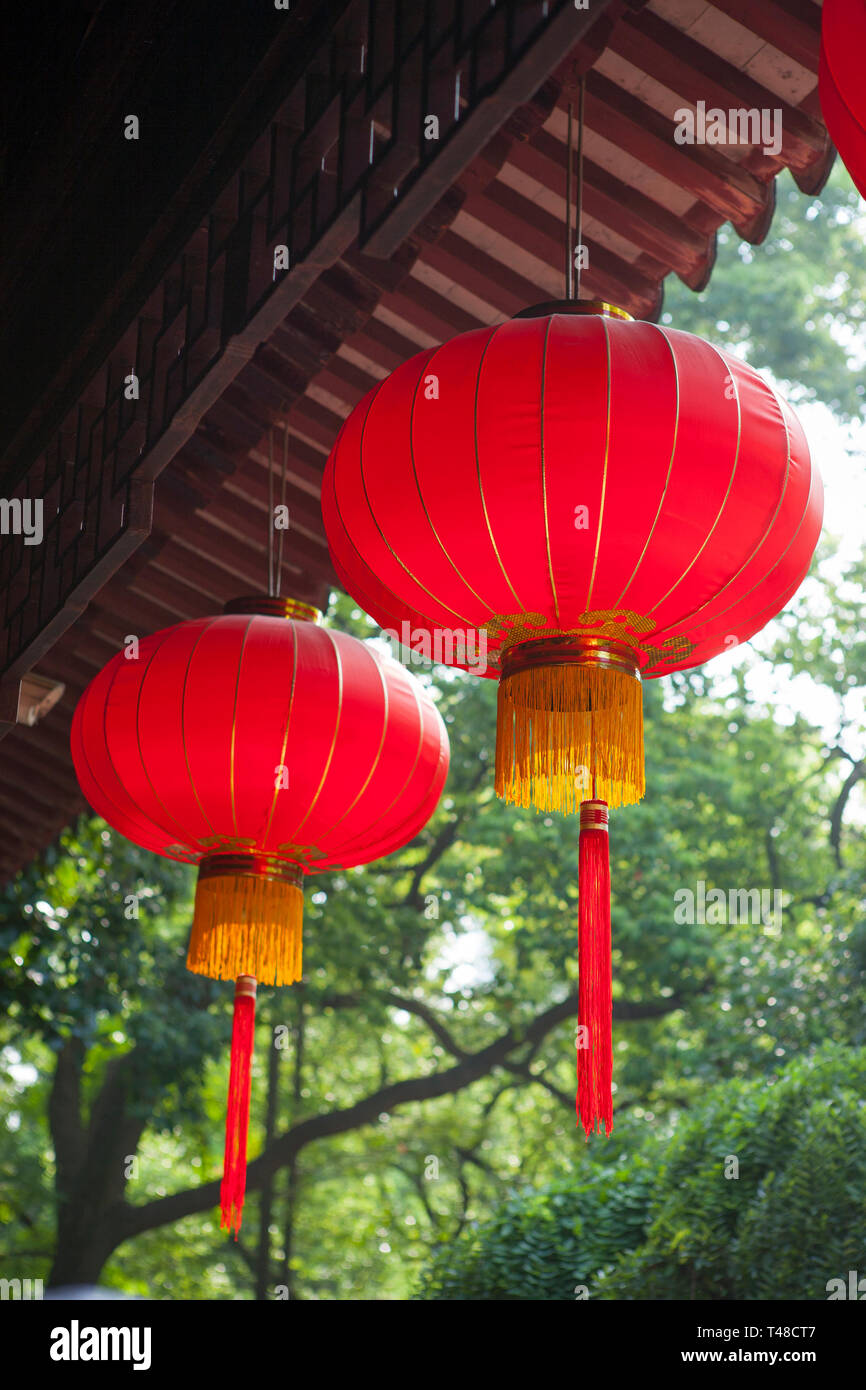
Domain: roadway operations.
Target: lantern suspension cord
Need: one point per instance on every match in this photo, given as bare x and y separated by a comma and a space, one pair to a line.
270, 511
578, 210
569, 256
279, 574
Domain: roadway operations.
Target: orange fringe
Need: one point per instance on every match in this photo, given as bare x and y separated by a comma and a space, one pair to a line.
569, 732
247, 925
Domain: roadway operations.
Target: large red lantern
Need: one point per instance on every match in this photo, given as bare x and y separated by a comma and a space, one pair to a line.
261, 747
600, 501
840, 82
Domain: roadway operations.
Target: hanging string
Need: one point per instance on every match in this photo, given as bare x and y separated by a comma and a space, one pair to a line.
270, 511
275, 562
282, 505
578, 212
573, 233
569, 252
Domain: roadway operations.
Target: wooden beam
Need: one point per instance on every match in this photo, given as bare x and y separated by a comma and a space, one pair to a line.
469, 136
638, 218
693, 72
701, 169
792, 26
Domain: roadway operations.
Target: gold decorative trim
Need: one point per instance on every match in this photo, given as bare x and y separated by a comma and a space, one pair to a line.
270, 606
225, 844
250, 866
506, 631
303, 854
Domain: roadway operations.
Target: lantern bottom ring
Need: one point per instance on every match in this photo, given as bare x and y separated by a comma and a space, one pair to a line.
571, 651
250, 865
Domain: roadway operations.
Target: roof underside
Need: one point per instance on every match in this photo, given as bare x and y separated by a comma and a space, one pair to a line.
651, 208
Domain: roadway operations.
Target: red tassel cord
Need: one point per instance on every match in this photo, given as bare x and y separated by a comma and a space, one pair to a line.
238, 1112
594, 1010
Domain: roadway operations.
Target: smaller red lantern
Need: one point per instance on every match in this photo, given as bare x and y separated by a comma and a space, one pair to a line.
263, 748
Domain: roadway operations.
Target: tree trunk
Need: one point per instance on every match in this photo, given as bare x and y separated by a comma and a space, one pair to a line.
91, 1165
83, 1246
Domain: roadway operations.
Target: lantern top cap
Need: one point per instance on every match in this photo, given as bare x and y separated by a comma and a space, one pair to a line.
600, 307
270, 606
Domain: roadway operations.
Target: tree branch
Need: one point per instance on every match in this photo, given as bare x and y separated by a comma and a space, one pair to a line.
858, 771
471, 1067
522, 1070
443, 841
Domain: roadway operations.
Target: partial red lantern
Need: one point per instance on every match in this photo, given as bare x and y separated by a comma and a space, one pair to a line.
261, 747
599, 501
840, 82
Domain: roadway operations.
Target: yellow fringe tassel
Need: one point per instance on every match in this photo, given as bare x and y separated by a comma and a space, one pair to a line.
567, 733
244, 924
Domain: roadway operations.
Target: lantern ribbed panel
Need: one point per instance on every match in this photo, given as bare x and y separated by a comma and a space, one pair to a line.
454, 495
181, 749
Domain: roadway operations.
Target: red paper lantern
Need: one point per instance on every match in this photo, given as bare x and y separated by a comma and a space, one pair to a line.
600, 501
261, 747
840, 82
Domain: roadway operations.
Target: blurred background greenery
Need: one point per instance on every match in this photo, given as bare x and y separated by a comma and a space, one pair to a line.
418, 1101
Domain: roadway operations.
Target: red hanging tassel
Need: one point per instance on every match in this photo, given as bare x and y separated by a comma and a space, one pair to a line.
238, 1112
594, 1009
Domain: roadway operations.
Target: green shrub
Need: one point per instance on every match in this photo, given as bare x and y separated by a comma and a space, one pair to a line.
673, 1222
545, 1244
793, 1219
